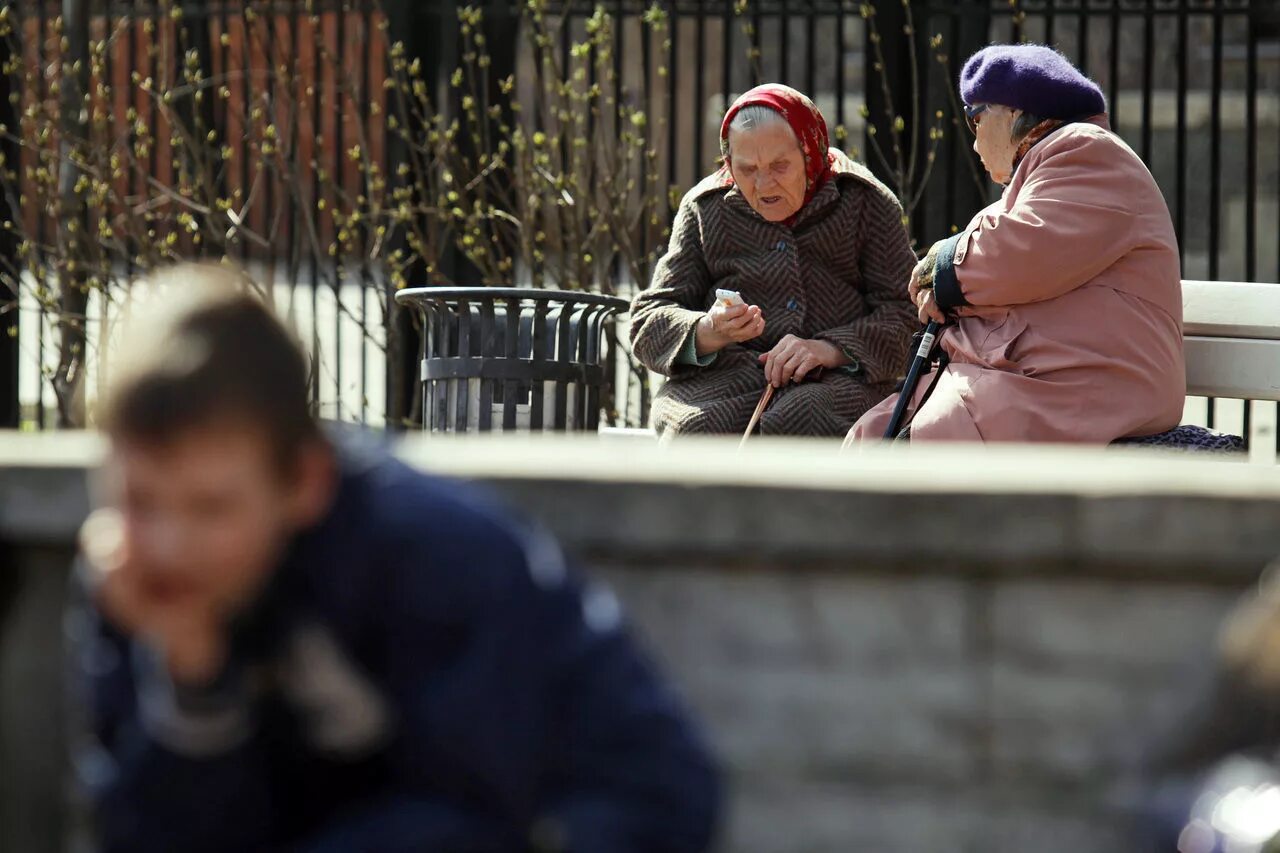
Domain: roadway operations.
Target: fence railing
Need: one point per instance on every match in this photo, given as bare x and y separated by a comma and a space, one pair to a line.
202, 130
1193, 86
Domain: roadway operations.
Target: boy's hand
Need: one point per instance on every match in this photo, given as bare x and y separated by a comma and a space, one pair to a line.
162, 612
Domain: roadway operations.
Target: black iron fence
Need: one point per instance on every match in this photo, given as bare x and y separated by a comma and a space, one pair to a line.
1193, 86
146, 131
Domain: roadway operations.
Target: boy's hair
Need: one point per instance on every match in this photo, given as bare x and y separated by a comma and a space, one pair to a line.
206, 349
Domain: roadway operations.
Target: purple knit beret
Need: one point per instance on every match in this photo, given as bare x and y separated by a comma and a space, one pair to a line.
1031, 77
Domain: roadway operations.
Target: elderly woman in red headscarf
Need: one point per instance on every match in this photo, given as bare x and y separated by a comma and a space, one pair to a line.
817, 250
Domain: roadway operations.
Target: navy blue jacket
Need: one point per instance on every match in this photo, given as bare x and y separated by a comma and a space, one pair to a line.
421, 674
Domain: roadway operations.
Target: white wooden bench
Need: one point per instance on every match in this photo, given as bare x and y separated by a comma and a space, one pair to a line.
1232, 336
1232, 339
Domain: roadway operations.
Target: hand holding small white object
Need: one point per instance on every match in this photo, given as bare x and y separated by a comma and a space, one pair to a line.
729, 321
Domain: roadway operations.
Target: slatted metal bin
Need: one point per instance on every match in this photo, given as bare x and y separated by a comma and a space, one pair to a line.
511, 358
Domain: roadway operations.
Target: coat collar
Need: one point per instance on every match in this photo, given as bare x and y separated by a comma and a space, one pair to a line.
1037, 152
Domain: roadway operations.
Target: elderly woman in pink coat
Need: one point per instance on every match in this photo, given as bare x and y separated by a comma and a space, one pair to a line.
1062, 300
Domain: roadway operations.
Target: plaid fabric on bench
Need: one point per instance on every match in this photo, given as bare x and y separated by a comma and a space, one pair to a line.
1191, 438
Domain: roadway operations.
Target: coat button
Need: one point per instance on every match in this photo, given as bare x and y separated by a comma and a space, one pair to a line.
792, 304
782, 246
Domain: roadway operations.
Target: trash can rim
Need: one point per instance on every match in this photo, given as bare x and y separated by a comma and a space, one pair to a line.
418, 295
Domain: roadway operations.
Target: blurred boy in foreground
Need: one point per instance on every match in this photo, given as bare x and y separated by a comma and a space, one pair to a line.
294, 645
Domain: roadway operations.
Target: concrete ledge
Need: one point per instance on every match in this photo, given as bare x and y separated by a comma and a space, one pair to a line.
1001, 507
44, 485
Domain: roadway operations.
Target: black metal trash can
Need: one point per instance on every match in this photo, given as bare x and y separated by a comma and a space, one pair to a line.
511, 358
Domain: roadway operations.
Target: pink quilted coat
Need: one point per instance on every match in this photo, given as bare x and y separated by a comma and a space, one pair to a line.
1068, 305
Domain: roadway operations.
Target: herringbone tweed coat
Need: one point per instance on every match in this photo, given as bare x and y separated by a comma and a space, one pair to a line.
839, 273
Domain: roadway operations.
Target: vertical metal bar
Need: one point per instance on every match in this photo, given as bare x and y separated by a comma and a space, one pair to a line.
954, 150
616, 92
420, 373
1048, 23
726, 54
1082, 42
646, 65
566, 47
340, 163
294, 239
224, 56
1180, 138
464, 353
10, 353
488, 329
699, 98
564, 354
440, 387
131, 185
619, 15
316, 26
1215, 144
840, 64
673, 21
582, 392
1215, 158
539, 357
107, 86
1251, 153
41, 221
153, 51
810, 52
371, 31
431, 350
336, 179
757, 54
1113, 84
784, 45
271, 117
246, 146
428, 342
1148, 69
591, 409
510, 391
591, 347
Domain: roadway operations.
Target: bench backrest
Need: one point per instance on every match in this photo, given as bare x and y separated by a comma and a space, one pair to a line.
1232, 339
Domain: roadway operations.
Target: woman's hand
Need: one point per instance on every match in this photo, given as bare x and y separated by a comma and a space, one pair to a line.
794, 358
724, 325
927, 306
917, 283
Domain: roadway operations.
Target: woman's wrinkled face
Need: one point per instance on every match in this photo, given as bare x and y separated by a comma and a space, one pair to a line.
994, 141
768, 166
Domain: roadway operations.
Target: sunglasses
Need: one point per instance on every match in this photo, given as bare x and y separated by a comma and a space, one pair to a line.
973, 116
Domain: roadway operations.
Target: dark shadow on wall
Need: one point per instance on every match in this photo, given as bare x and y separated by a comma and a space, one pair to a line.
34, 817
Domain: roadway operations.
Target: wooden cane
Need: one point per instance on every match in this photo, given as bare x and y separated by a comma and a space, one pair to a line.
755, 416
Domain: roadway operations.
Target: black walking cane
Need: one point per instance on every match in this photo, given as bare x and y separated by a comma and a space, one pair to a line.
919, 365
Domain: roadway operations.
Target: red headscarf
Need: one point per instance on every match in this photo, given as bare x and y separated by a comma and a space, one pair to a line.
805, 120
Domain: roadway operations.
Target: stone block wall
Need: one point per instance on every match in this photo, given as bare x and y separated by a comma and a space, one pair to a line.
941, 711
936, 650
